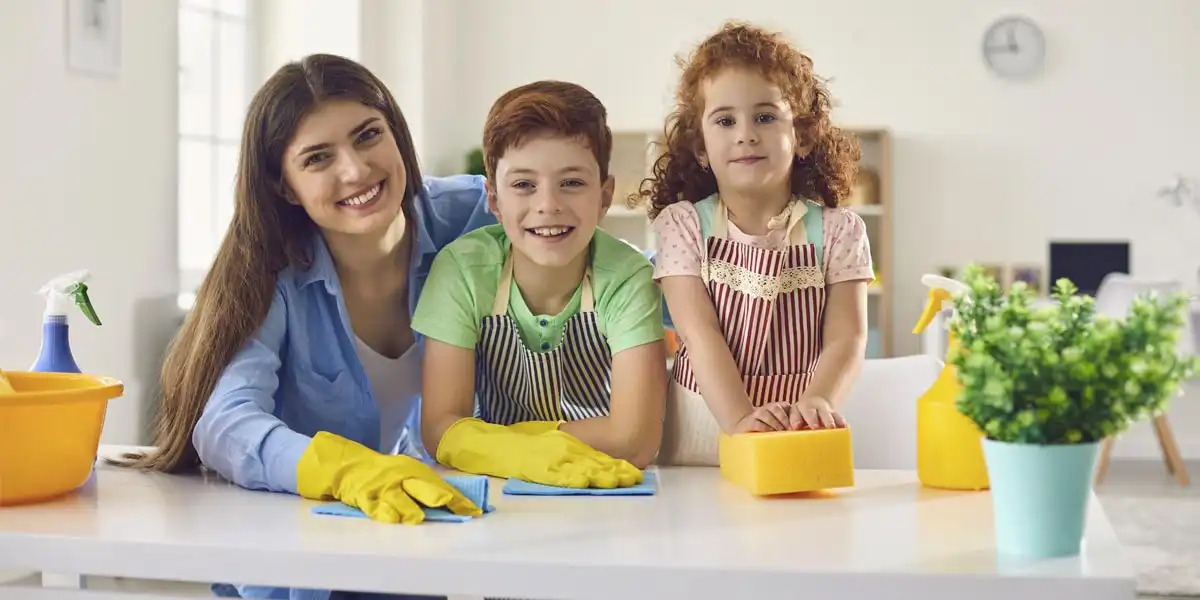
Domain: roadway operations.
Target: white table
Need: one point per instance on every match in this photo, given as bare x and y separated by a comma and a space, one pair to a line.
700, 537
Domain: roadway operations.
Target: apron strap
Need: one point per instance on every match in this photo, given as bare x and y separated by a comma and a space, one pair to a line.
587, 304
814, 224
797, 236
720, 220
800, 212
705, 209
500, 304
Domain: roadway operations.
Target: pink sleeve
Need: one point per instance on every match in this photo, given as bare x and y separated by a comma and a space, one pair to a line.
679, 247
847, 249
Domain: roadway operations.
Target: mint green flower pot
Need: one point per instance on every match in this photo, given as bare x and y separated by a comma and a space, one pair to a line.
1039, 496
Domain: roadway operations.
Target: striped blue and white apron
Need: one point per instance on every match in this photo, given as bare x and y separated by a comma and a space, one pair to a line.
569, 383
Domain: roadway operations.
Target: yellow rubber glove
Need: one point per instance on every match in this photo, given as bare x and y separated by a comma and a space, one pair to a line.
552, 457
535, 427
7, 388
385, 487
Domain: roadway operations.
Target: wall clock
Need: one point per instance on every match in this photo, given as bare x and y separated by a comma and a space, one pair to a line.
1014, 48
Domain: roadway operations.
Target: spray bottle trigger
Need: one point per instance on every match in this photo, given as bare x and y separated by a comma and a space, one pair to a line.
937, 297
79, 292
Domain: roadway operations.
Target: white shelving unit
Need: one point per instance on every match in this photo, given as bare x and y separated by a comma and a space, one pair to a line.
633, 154
872, 200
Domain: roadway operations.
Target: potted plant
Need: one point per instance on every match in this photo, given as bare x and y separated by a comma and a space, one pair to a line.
1047, 385
474, 160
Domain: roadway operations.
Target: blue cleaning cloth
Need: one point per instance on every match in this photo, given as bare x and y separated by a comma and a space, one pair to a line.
474, 487
518, 487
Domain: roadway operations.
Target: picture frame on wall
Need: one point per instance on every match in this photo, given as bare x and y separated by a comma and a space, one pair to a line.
1032, 274
997, 271
93, 36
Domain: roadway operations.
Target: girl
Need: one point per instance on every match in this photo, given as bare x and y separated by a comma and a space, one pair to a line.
298, 369
764, 277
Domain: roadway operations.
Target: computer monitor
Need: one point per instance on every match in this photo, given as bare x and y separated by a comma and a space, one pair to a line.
1086, 263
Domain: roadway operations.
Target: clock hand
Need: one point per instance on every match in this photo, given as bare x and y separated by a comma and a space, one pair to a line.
1012, 39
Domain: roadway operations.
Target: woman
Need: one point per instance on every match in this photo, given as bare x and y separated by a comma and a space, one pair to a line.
297, 370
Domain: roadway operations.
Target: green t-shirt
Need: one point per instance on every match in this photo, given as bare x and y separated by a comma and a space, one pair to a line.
462, 282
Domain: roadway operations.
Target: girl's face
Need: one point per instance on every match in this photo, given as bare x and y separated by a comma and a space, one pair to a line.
344, 168
749, 136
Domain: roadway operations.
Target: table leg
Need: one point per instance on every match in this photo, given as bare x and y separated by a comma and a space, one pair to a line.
1170, 450
71, 581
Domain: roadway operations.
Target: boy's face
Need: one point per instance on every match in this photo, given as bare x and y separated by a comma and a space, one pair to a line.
549, 197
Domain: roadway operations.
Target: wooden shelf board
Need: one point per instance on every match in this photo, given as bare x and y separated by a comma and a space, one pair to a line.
868, 210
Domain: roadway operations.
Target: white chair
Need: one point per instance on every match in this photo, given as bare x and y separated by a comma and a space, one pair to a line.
1114, 298
881, 410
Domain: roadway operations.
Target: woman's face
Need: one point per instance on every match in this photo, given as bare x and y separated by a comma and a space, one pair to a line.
344, 168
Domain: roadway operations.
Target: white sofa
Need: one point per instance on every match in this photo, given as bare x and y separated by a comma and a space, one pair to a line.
881, 410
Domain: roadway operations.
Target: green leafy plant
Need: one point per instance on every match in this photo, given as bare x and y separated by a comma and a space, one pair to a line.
1061, 373
474, 161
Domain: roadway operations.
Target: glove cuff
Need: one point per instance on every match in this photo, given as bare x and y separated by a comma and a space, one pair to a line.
535, 427
323, 463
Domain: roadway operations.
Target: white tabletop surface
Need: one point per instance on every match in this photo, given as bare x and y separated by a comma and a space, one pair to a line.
700, 536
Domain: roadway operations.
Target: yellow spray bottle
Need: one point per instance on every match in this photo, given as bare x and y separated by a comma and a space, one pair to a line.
949, 448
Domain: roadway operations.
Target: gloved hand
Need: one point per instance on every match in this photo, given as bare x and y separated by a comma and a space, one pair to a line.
552, 457
386, 488
535, 427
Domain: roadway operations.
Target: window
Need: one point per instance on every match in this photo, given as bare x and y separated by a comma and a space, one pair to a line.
214, 90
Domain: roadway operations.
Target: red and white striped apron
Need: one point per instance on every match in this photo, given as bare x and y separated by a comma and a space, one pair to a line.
770, 305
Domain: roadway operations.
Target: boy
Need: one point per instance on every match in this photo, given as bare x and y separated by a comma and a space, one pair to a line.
550, 326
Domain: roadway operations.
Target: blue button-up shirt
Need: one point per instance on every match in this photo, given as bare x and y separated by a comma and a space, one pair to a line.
300, 372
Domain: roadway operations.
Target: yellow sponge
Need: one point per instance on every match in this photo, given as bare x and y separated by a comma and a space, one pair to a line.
783, 462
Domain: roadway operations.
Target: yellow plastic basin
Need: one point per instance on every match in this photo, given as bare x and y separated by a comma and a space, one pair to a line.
50, 432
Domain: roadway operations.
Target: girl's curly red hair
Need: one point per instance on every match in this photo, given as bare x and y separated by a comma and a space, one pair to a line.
825, 174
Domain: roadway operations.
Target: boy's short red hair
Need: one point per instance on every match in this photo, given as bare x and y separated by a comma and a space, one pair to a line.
555, 107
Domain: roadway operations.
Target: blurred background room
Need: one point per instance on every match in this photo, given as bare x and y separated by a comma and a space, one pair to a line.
1046, 139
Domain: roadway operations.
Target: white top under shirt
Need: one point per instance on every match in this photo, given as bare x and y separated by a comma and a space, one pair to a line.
396, 384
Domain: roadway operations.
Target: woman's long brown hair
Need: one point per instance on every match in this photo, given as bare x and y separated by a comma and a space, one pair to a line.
266, 235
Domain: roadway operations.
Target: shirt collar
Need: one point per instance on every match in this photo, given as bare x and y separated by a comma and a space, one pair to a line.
421, 209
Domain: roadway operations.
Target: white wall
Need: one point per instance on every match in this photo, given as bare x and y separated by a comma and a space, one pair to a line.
412, 47
88, 167
984, 170
393, 47
288, 30
1077, 153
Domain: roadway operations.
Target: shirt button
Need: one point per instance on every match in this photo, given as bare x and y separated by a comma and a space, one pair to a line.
544, 322
545, 345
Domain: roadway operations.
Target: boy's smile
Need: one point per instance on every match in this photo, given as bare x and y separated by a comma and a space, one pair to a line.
551, 233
